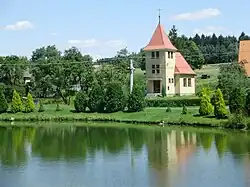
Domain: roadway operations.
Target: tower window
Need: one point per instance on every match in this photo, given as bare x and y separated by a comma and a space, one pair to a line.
153, 54
168, 54
153, 71
172, 80
157, 54
184, 82
169, 80
155, 68
171, 54
189, 82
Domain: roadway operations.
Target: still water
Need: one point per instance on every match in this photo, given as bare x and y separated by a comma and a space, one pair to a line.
123, 157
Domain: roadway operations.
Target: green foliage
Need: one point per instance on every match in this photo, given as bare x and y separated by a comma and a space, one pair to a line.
232, 76
114, 100
3, 103
163, 91
237, 121
16, 105
41, 107
29, 104
206, 107
237, 100
220, 110
81, 101
96, 97
247, 103
184, 110
168, 109
173, 102
136, 100
58, 108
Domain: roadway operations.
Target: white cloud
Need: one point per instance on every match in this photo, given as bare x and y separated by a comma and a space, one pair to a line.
74, 41
116, 43
90, 43
54, 34
209, 30
20, 25
198, 15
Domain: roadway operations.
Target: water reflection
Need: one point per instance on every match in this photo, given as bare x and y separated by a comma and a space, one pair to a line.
168, 153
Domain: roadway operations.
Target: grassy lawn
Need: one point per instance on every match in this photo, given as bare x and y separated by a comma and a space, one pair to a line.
153, 115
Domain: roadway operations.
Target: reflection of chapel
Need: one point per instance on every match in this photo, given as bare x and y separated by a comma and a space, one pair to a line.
165, 66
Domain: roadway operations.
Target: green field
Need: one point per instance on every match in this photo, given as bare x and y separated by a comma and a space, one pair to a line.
149, 115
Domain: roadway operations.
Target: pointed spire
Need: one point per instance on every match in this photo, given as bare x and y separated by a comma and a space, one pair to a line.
159, 15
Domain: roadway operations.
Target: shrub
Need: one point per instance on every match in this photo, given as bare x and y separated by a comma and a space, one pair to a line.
3, 103
220, 110
41, 107
173, 102
184, 110
247, 104
168, 109
206, 107
81, 101
16, 105
163, 91
29, 104
58, 108
136, 100
237, 120
237, 100
96, 97
114, 100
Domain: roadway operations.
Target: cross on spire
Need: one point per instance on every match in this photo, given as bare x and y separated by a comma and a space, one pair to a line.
159, 10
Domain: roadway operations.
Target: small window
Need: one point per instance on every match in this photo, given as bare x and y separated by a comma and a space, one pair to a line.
184, 82
153, 71
172, 54
153, 66
169, 54
158, 71
169, 80
157, 66
172, 80
189, 82
157, 54
168, 87
153, 55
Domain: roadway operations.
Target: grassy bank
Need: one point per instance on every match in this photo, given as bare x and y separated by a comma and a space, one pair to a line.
148, 116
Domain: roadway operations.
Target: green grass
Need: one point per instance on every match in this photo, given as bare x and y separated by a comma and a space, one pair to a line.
149, 115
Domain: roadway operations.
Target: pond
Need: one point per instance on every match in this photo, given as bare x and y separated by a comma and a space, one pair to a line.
112, 156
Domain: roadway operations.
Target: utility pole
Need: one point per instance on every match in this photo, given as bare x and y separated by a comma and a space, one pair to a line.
131, 68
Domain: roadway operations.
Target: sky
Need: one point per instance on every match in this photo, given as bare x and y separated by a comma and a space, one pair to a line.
101, 28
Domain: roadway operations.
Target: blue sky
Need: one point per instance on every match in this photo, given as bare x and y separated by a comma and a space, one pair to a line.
100, 28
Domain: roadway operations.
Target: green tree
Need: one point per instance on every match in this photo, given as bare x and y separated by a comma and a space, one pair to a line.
136, 100
81, 101
247, 104
3, 103
114, 100
41, 107
184, 110
206, 107
96, 98
220, 110
232, 76
237, 100
29, 104
163, 91
16, 105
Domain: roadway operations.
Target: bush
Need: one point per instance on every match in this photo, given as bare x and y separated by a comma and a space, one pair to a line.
247, 104
114, 100
206, 107
58, 108
16, 105
184, 110
237, 121
237, 100
96, 97
136, 100
29, 104
41, 107
3, 103
163, 91
220, 110
81, 101
168, 109
173, 102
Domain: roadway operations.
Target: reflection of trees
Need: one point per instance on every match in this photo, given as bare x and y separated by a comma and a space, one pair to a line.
206, 140
221, 144
12, 146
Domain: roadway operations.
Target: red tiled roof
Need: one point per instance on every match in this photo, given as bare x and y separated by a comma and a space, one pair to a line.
159, 40
181, 65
